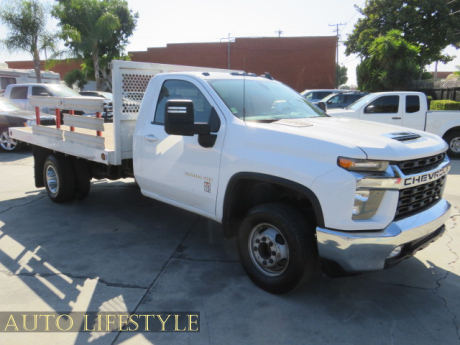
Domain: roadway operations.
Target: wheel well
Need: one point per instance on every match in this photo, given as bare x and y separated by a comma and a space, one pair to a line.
249, 190
454, 129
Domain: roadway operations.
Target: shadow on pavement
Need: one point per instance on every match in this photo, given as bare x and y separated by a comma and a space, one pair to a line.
119, 251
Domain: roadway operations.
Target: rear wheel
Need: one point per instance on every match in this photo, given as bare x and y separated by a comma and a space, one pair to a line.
59, 178
277, 247
82, 179
453, 140
9, 144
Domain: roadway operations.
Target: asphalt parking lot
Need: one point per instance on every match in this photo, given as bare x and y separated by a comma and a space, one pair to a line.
117, 250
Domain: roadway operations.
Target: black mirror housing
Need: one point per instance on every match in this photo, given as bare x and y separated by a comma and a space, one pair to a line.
179, 119
322, 106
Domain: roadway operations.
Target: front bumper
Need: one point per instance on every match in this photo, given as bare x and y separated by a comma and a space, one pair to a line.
359, 251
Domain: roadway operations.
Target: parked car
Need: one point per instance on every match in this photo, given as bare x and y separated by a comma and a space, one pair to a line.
340, 100
317, 95
20, 94
108, 102
12, 116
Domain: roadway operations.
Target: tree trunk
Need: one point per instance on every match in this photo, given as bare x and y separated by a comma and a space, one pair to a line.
96, 70
37, 66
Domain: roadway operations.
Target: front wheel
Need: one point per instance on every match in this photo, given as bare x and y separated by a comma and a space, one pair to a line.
453, 140
7, 143
277, 247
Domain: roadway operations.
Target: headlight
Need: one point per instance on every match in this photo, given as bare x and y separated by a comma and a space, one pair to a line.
29, 123
367, 202
352, 164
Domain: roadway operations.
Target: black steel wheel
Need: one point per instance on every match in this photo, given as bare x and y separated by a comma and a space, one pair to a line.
59, 178
82, 178
277, 247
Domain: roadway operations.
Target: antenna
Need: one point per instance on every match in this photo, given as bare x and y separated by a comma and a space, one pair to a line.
244, 98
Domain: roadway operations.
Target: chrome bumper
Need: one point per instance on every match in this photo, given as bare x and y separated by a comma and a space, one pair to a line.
358, 251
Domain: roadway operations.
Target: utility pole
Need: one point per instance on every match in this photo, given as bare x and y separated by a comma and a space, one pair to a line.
279, 32
337, 53
228, 49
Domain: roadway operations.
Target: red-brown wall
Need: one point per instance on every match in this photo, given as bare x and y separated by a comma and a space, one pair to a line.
300, 62
61, 67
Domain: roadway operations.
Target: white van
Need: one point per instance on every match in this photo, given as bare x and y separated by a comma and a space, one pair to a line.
20, 76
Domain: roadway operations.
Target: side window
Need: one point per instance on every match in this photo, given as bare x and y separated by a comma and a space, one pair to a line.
7, 81
337, 99
40, 91
384, 104
179, 89
412, 104
322, 94
19, 92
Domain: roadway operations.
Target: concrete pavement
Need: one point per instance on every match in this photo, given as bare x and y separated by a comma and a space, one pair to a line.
117, 250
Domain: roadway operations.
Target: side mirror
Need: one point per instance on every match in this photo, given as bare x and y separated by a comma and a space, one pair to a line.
322, 106
179, 119
370, 109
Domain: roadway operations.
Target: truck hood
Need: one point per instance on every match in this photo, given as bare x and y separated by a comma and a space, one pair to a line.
377, 140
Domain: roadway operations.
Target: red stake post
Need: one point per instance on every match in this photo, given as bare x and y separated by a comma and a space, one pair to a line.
72, 112
98, 115
37, 115
57, 112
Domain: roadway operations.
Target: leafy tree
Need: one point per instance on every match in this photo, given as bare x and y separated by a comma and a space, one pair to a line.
75, 76
430, 24
457, 72
96, 30
26, 21
342, 77
391, 64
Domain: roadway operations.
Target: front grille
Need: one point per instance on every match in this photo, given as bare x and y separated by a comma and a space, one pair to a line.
417, 166
47, 122
415, 199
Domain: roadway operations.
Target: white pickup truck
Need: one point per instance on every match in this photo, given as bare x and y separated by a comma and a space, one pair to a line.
408, 109
293, 185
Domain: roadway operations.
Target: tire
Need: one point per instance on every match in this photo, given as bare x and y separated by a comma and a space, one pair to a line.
82, 178
59, 178
277, 248
453, 140
9, 144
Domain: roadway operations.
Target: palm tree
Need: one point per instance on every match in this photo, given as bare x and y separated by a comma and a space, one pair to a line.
26, 21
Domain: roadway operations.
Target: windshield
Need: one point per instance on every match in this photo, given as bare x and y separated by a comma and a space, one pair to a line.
63, 91
6, 105
260, 100
360, 102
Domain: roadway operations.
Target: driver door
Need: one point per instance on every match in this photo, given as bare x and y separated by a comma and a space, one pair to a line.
177, 169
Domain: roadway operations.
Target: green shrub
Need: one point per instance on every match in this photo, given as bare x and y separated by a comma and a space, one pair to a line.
444, 105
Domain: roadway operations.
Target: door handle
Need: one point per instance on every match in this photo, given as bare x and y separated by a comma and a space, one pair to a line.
150, 137
396, 118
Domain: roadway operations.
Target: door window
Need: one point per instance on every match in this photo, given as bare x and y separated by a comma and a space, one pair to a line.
19, 92
384, 105
40, 91
179, 89
412, 104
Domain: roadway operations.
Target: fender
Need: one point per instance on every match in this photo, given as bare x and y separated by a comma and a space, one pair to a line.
275, 180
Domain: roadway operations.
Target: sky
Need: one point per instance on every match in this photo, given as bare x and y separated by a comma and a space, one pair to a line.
187, 21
